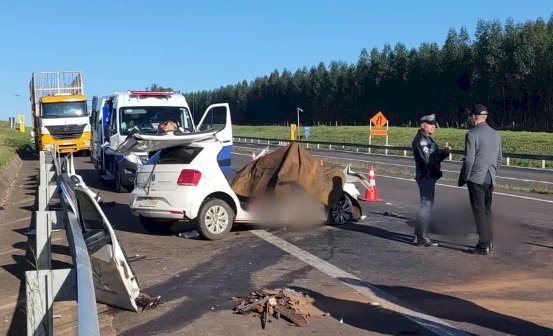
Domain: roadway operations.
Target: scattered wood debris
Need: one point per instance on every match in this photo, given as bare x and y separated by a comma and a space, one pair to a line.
146, 301
287, 303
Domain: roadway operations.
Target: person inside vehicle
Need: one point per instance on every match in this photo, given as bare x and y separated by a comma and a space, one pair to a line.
170, 125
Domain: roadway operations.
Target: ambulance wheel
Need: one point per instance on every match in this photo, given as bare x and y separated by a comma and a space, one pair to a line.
117, 183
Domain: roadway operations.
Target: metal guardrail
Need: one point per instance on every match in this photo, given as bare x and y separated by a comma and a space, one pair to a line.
365, 148
45, 285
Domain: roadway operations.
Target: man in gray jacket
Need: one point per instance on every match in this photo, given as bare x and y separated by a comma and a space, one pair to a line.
482, 159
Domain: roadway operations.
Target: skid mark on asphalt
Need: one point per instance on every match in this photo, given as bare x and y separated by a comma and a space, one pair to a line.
371, 292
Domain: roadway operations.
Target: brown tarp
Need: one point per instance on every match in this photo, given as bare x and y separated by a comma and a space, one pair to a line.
291, 165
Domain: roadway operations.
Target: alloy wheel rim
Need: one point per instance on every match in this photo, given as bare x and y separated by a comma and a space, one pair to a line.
343, 211
216, 219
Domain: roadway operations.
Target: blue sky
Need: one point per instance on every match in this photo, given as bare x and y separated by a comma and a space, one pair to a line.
202, 45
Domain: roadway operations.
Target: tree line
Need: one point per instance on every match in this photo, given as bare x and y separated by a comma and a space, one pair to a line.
507, 67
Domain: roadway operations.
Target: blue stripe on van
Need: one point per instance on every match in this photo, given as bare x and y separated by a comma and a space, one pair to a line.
224, 159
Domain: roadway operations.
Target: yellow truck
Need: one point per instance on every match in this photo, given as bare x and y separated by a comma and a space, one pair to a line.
60, 116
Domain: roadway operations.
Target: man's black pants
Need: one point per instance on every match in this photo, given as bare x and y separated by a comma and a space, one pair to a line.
481, 204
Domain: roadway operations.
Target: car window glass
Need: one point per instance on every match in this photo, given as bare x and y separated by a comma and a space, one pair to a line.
180, 155
215, 119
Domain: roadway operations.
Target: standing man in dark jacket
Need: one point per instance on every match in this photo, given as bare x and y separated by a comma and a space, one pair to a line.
483, 157
428, 170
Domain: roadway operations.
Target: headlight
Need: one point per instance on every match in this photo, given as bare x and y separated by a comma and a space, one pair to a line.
86, 143
132, 157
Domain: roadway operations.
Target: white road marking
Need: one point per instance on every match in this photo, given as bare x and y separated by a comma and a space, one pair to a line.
18, 220
24, 201
16, 250
374, 294
456, 187
10, 251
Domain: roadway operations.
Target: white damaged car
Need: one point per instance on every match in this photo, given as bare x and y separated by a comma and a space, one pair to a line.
185, 180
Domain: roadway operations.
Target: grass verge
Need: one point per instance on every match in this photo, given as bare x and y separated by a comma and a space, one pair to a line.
10, 142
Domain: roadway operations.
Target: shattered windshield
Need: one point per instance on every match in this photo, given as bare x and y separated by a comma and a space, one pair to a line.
64, 110
146, 119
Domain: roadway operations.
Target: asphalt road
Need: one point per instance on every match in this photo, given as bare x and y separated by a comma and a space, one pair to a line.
365, 274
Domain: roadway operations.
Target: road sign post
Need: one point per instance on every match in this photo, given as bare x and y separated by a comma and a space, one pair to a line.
379, 120
21, 123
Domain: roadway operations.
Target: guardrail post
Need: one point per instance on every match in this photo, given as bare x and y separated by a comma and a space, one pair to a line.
38, 288
542, 164
508, 160
450, 156
43, 235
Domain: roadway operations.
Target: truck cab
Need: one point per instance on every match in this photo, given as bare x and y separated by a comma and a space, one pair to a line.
60, 115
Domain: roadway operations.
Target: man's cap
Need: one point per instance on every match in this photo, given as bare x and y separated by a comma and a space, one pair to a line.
429, 119
479, 109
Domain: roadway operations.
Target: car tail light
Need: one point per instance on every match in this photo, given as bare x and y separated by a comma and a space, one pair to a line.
189, 177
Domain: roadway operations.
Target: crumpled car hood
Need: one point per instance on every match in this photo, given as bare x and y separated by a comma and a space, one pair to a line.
138, 143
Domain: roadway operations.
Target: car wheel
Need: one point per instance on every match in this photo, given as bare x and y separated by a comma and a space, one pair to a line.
214, 219
155, 226
342, 213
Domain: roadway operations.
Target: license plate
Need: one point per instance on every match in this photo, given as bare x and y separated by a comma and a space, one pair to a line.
148, 203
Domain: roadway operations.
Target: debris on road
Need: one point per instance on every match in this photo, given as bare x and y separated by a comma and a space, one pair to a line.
189, 234
287, 303
146, 301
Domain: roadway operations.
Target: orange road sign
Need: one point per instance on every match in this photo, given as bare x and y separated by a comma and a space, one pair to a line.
379, 132
379, 120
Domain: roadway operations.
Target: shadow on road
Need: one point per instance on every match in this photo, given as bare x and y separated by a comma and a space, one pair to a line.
364, 315
455, 309
399, 237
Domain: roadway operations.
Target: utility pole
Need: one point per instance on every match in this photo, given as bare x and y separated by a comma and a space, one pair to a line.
298, 110
15, 97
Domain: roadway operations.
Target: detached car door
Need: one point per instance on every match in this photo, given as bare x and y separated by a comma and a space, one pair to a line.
217, 118
114, 281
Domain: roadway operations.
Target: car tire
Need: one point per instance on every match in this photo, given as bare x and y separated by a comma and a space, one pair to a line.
215, 219
117, 187
342, 213
154, 226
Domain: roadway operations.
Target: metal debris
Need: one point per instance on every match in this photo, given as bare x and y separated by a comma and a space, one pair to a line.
146, 301
275, 303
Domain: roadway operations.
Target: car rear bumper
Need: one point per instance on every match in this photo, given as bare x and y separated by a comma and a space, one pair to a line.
159, 207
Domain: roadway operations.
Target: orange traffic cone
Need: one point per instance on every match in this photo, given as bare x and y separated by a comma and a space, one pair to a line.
253, 156
371, 193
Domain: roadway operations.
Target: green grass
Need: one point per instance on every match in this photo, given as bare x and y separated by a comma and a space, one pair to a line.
513, 142
10, 142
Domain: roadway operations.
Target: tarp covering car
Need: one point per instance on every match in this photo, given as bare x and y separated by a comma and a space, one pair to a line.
290, 165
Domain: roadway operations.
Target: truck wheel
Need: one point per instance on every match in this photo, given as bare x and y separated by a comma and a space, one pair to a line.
156, 226
342, 213
215, 219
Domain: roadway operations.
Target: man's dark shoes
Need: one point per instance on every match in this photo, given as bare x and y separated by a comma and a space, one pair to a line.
424, 241
483, 248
